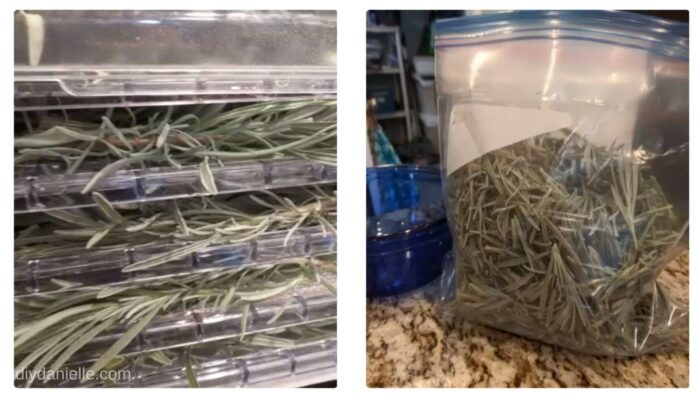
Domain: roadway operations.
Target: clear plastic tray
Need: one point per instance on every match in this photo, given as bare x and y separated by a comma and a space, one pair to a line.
41, 187
49, 102
127, 53
296, 366
308, 304
102, 268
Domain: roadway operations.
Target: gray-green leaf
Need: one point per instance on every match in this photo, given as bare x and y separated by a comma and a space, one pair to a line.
82, 341
163, 136
227, 299
206, 177
98, 236
169, 256
125, 339
47, 322
267, 293
110, 169
106, 208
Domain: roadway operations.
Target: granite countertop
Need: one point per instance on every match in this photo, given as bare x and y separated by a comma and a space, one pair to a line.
410, 345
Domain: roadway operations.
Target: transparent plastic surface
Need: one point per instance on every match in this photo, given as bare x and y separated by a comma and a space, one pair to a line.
156, 153
293, 367
52, 102
305, 305
566, 181
168, 239
43, 187
257, 366
98, 268
116, 53
40, 82
244, 305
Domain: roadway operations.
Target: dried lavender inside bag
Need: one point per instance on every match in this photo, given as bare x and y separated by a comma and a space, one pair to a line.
561, 240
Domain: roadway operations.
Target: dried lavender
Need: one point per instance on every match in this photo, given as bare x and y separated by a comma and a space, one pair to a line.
561, 240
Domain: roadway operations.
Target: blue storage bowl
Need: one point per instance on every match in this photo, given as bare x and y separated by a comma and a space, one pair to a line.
407, 231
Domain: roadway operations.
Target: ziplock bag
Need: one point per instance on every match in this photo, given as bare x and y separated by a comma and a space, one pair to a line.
564, 150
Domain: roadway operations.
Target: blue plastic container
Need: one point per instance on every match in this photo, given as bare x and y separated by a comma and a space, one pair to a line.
407, 231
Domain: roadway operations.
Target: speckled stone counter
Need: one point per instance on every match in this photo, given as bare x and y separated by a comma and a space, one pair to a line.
410, 345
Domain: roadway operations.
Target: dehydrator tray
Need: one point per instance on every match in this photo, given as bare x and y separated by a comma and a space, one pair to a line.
308, 357
157, 52
203, 220
243, 325
296, 366
61, 81
302, 304
156, 153
88, 268
103, 324
54, 103
42, 187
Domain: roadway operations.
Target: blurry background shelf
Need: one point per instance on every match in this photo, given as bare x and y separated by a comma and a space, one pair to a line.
391, 115
382, 29
385, 70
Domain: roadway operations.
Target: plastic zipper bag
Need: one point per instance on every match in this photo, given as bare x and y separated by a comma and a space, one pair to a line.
565, 158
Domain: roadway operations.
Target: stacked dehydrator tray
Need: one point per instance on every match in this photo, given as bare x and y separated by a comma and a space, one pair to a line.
175, 198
